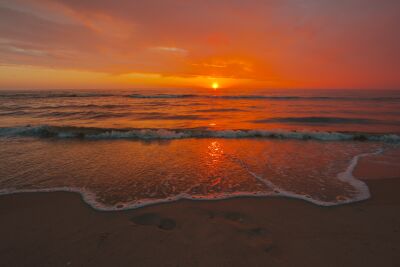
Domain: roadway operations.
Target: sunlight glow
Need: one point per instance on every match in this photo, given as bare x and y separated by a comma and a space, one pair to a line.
215, 85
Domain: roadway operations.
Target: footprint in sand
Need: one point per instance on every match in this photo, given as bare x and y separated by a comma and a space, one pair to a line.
234, 216
103, 237
258, 236
257, 231
155, 220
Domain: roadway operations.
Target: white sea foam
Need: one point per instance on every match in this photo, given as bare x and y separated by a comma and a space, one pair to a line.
90, 197
151, 134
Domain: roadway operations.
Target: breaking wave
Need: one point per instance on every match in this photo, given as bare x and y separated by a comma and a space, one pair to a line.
45, 131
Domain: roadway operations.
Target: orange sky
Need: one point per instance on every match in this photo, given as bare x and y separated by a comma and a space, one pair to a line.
59, 44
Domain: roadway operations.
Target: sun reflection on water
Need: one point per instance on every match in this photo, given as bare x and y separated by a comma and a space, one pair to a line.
215, 151
215, 158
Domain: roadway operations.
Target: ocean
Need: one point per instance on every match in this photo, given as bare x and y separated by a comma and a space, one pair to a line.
128, 149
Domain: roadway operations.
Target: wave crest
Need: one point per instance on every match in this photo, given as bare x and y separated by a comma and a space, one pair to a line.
45, 131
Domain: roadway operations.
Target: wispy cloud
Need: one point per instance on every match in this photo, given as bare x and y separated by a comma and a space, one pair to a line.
167, 49
302, 43
19, 50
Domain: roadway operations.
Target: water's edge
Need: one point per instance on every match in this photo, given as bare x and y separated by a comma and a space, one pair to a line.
346, 176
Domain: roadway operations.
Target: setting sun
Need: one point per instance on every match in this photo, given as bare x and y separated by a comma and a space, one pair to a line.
215, 86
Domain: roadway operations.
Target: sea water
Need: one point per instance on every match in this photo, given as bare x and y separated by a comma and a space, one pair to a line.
126, 149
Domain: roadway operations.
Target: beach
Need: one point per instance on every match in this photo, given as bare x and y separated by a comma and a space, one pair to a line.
59, 229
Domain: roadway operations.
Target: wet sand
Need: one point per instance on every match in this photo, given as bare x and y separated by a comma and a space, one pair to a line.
59, 229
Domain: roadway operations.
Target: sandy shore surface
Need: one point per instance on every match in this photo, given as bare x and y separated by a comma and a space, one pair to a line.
59, 229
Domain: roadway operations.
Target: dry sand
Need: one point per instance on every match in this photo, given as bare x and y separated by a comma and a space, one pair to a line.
59, 229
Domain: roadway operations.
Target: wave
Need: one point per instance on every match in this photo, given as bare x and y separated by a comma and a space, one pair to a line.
81, 114
24, 95
220, 110
68, 114
84, 106
172, 117
90, 197
323, 120
52, 95
164, 96
46, 131
267, 97
15, 113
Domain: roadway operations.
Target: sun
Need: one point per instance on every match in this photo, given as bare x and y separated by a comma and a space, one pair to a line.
215, 85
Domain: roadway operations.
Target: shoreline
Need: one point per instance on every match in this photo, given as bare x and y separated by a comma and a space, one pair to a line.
60, 229
359, 166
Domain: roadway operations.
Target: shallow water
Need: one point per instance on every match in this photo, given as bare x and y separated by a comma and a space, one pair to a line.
129, 149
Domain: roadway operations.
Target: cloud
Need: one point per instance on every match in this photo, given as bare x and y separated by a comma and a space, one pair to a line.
18, 50
174, 50
305, 43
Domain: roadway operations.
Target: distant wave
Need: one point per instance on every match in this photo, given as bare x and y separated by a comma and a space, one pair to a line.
159, 134
267, 97
81, 114
67, 114
61, 106
23, 95
323, 120
14, 113
52, 95
91, 106
163, 96
94, 114
220, 110
171, 117
196, 96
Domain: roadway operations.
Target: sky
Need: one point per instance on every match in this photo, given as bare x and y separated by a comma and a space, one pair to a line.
120, 44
